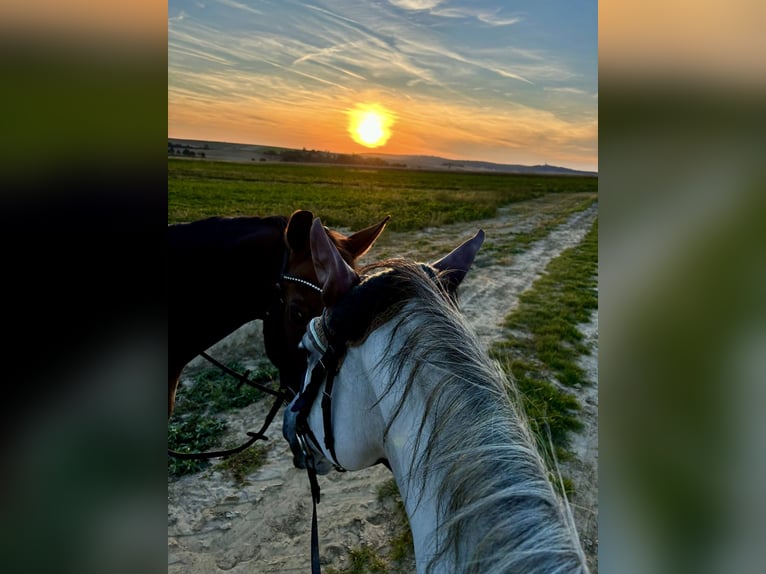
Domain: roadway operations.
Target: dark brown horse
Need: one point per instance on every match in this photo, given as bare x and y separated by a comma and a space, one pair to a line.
224, 272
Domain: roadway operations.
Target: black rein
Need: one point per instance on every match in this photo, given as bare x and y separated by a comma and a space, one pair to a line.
280, 398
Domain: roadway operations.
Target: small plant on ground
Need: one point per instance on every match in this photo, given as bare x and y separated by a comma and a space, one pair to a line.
402, 545
195, 426
239, 466
363, 560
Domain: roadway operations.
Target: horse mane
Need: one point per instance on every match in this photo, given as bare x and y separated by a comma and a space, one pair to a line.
494, 479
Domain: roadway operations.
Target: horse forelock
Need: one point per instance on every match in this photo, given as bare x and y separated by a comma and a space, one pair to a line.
492, 479
381, 293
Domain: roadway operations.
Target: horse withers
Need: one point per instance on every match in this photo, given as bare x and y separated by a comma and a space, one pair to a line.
224, 272
395, 375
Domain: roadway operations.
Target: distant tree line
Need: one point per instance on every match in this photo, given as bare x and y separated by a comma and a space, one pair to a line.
185, 150
315, 156
293, 155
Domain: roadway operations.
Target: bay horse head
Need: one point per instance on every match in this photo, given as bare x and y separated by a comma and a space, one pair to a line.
241, 264
301, 293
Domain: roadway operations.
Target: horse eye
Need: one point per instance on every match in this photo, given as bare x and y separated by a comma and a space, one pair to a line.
297, 315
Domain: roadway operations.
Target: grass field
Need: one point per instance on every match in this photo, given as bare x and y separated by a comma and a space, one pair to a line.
351, 197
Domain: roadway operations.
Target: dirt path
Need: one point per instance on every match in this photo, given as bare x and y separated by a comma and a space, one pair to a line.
264, 526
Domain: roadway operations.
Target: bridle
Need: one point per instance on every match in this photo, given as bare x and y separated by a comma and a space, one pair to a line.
305, 282
323, 373
333, 351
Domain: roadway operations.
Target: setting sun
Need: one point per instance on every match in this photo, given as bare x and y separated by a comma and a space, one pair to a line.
369, 125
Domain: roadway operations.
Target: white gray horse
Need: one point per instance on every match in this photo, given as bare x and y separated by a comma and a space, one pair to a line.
396, 376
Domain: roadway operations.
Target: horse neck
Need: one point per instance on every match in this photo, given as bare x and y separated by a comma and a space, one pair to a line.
399, 443
217, 288
360, 430
411, 436
419, 497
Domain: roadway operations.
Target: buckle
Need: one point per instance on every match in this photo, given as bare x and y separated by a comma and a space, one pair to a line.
305, 451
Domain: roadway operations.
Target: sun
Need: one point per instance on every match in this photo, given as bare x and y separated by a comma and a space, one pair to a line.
370, 124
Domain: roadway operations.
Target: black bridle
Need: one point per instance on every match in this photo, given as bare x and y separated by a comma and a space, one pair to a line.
243, 379
323, 373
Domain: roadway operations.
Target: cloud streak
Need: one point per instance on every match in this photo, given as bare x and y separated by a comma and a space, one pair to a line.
486, 16
416, 4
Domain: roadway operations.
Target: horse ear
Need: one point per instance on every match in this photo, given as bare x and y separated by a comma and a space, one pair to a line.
297, 232
334, 274
360, 242
455, 265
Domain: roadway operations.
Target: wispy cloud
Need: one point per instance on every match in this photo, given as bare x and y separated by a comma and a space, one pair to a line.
292, 70
416, 4
448, 57
490, 17
240, 6
566, 90
331, 14
493, 20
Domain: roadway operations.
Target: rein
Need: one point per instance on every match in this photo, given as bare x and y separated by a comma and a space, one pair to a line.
324, 372
280, 398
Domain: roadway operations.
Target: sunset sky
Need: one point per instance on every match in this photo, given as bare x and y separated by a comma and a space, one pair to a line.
508, 82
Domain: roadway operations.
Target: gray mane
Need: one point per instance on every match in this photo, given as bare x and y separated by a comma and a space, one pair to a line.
495, 481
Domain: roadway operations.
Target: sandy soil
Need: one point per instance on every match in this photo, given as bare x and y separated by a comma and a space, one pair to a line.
264, 526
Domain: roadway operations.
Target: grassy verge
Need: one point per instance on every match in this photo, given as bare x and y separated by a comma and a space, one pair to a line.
196, 425
544, 343
402, 549
550, 220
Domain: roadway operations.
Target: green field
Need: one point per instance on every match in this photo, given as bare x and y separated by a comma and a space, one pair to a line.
351, 197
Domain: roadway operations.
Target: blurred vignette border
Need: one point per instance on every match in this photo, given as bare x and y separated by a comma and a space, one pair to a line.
681, 285
682, 277
83, 212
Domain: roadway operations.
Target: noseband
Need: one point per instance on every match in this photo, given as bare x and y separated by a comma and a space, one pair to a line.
324, 372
